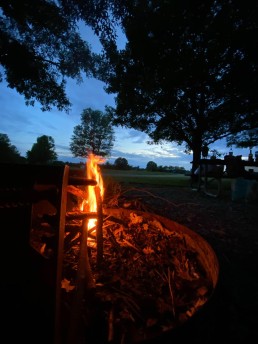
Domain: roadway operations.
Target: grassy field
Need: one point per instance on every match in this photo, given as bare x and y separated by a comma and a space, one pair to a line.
150, 178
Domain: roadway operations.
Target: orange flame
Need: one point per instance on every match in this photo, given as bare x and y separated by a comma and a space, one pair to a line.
93, 172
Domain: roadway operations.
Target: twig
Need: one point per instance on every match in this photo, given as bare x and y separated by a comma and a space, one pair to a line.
131, 245
128, 299
113, 239
171, 291
167, 278
111, 325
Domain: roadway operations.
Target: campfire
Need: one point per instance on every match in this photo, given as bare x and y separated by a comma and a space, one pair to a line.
126, 276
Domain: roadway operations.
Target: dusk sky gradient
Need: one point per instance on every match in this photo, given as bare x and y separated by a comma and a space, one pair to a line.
24, 124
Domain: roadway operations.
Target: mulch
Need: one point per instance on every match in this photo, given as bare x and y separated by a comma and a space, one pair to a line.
153, 276
231, 229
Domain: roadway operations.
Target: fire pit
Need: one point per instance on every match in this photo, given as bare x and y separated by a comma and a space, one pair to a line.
155, 275
113, 275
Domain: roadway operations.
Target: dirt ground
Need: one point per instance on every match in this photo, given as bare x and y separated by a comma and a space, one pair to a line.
231, 229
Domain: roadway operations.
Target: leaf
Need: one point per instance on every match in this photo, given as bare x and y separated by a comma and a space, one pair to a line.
148, 250
65, 284
135, 219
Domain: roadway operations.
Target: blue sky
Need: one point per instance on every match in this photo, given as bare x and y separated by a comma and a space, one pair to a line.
24, 124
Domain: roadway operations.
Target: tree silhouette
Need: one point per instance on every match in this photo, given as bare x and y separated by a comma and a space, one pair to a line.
121, 164
151, 166
189, 71
8, 152
41, 46
245, 139
43, 151
95, 134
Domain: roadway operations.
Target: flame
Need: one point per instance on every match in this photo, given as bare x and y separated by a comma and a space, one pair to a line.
93, 172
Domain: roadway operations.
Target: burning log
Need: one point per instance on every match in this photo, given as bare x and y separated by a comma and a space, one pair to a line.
81, 216
74, 180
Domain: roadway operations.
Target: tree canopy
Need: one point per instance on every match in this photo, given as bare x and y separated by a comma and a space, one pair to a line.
188, 73
151, 166
244, 139
8, 152
41, 46
43, 151
94, 135
121, 164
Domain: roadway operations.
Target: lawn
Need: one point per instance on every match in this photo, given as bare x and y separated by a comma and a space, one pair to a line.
151, 178
145, 177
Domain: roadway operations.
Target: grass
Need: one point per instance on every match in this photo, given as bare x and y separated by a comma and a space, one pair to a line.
145, 177
151, 178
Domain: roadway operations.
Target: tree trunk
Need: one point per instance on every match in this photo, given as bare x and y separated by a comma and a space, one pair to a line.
196, 157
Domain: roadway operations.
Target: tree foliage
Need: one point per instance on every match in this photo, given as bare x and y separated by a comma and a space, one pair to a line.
151, 166
121, 164
188, 73
41, 46
8, 152
43, 151
244, 139
95, 134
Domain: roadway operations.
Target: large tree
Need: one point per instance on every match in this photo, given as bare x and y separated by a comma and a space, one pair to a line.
41, 46
43, 151
189, 71
8, 152
121, 164
94, 135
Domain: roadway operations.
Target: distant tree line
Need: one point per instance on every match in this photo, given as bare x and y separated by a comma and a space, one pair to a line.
153, 167
95, 134
43, 152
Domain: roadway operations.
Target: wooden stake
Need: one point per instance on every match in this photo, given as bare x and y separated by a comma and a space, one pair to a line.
85, 282
99, 231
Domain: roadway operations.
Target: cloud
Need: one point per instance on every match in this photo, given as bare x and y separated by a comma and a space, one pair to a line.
142, 157
90, 93
136, 136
